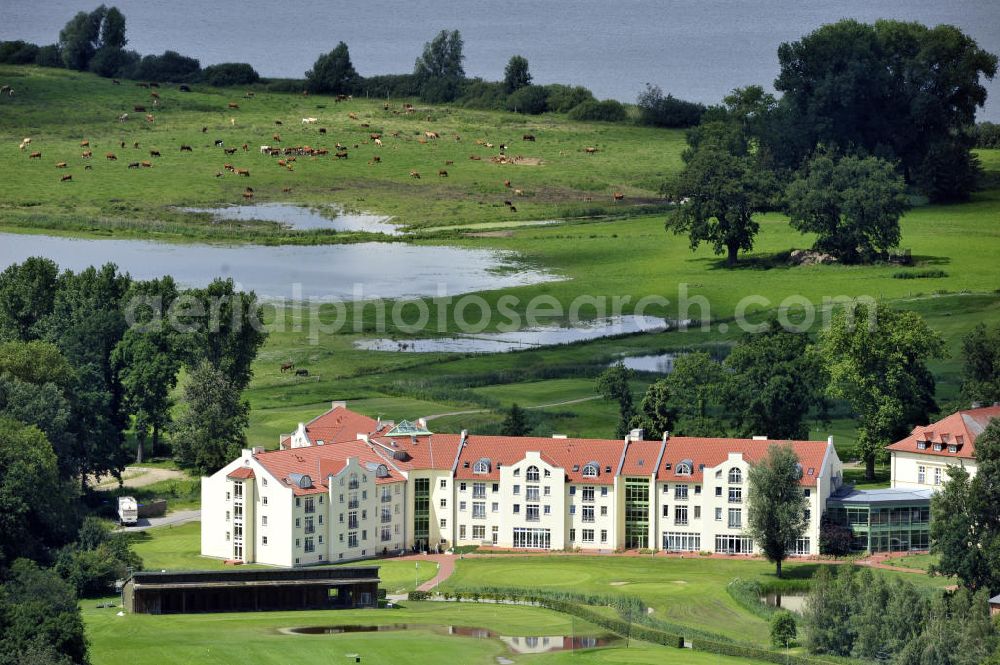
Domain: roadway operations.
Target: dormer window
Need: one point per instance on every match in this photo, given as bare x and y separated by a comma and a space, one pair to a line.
532, 475
591, 469
735, 476
482, 466
685, 468
921, 445
953, 448
937, 447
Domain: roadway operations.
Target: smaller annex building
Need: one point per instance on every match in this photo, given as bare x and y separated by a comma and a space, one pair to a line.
251, 590
883, 520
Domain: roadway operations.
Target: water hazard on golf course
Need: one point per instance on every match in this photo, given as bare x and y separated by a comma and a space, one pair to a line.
302, 218
520, 644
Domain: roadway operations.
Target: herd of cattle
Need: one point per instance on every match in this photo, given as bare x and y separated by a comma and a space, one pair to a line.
287, 155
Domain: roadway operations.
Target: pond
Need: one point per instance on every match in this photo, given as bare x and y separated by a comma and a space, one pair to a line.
663, 363
515, 644
302, 218
794, 601
526, 338
350, 272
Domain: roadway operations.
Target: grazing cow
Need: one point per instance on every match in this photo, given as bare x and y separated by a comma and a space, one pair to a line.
116, 82
25, 142
246, 148
528, 137
508, 203
122, 143
308, 121
352, 116
138, 108
248, 195
340, 147
375, 160
618, 196
489, 145
232, 105
218, 143
228, 167
232, 122
365, 125
286, 190
506, 183
321, 152
287, 366
184, 88
61, 165
154, 95
378, 142
154, 153
87, 154
84, 143
229, 151
35, 155
322, 130
186, 148
150, 117
278, 123
449, 162
146, 165
282, 162
133, 165
204, 130
110, 157
513, 208
276, 138
590, 150
475, 158
265, 150
218, 174
66, 178
518, 192
301, 372
123, 117
243, 172
414, 174
136, 145
432, 135
340, 154
442, 173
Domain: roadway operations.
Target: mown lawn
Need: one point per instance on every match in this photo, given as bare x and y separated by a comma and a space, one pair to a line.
236, 639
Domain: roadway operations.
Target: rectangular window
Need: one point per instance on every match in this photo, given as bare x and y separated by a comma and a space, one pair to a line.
697, 512
604, 511
461, 505
352, 520
517, 509
444, 523
718, 514
801, 547
681, 515
310, 546
588, 493
263, 520
352, 539
263, 500
604, 535
385, 534
461, 532
666, 510
532, 538
496, 487
677, 541
735, 518
444, 483
531, 512
572, 490
444, 503
461, 487
680, 492
921, 474
733, 545
735, 495
588, 513
478, 490
478, 510
298, 523
227, 515
478, 532
572, 510
531, 493
386, 516
546, 509
263, 540
604, 491
495, 507
238, 511
937, 475
572, 535
310, 505
310, 526
547, 491
238, 490
588, 535
517, 490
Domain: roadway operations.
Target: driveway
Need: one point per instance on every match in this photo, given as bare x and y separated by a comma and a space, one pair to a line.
171, 519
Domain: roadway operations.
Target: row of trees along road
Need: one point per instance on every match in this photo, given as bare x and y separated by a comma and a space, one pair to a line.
838, 149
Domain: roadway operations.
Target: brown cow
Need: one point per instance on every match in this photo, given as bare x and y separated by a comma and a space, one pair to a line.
618, 196
228, 167
66, 177
475, 157
375, 160
352, 116
528, 137
277, 138
110, 157
149, 117
414, 174
84, 143
229, 151
136, 145
589, 150
248, 195
341, 154
139, 108
87, 154
506, 183
35, 155
442, 173
146, 165
133, 165
186, 148
61, 165
286, 190
246, 148
232, 105
432, 135
243, 172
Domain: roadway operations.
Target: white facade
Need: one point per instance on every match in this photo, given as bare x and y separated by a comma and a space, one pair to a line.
915, 471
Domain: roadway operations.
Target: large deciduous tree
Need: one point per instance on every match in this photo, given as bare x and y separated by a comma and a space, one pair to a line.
775, 377
95, 38
776, 504
439, 71
965, 518
718, 194
27, 295
655, 414
862, 87
981, 365
852, 204
212, 429
516, 74
694, 390
333, 73
877, 360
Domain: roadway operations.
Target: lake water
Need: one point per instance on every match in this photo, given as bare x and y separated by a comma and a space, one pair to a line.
794, 601
350, 272
695, 49
526, 338
515, 644
303, 218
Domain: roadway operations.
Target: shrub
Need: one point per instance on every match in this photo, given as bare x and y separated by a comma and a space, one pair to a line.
919, 274
486, 95
783, 629
390, 85
987, 135
418, 595
659, 111
49, 56
531, 99
114, 62
18, 53
564, 98
229, 73
171, 67
608, 110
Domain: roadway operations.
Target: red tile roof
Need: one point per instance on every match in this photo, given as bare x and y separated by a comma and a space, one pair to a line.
241, 473
960, 429
335, 426
569, 454
318, 462
436, 451
711, 452
641, 458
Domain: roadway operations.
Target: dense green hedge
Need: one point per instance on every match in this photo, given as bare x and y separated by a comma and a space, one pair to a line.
746, 651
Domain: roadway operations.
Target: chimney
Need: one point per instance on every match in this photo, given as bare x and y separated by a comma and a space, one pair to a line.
422, 422
257, 450
363, 437
465, 436
338, 405
829, 440
666, 435
635, 435
378, 424
558, 436
759, 438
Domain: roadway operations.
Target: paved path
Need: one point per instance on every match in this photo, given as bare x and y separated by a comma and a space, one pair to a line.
536, 406
170, 519
444, 562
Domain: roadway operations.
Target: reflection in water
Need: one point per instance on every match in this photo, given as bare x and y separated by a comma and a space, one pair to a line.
794, 601
350, 272
303, 218
526, 338
516, 644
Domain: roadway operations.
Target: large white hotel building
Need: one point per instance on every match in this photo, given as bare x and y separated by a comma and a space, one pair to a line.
345, 487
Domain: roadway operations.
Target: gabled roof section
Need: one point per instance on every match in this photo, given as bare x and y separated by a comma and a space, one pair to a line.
705, 453
571, 455
242, 473
337, 425
407, 428
955, 434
